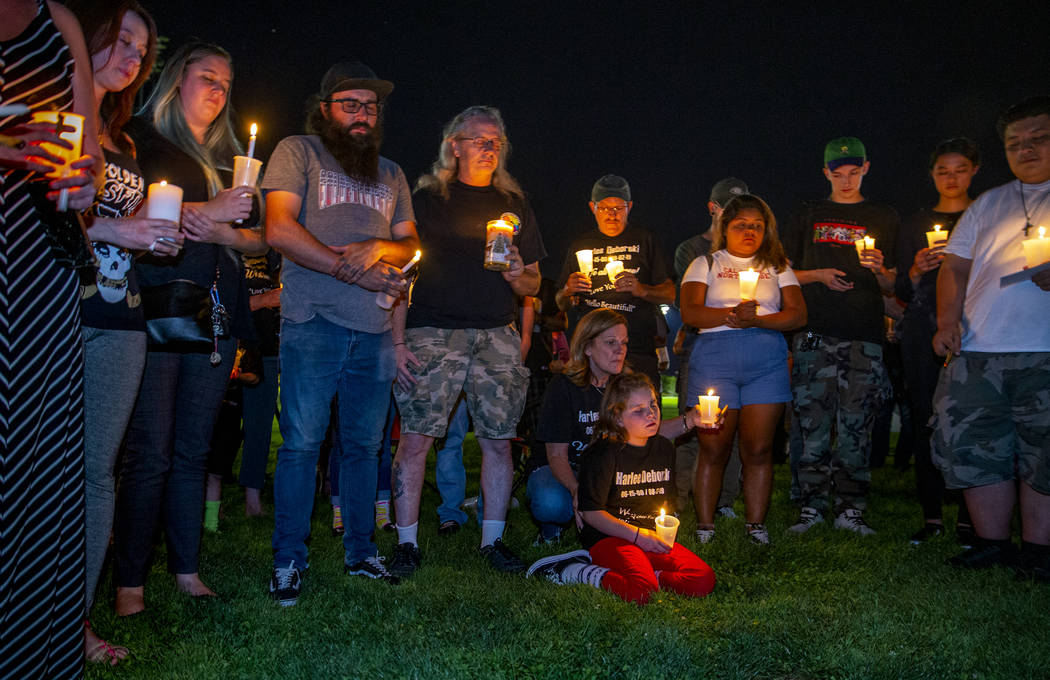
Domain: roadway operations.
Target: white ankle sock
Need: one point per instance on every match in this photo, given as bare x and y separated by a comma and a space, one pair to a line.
491, 530
590, 574
408, 534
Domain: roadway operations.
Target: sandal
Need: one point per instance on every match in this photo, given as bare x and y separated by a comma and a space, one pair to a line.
103, 652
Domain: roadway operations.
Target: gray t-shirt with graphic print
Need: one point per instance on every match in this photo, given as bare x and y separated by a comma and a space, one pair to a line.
336, 209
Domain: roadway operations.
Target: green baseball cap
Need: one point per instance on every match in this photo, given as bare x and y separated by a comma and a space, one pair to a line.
844, 151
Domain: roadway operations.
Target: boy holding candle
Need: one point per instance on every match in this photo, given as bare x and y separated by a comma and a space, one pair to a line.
838, 377
992, 406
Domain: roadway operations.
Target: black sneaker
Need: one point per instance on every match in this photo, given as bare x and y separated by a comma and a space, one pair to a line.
285, 584
985, 554
371, 567
448, 527
965, 536
502, 559
552, 566
407, 559
928, 531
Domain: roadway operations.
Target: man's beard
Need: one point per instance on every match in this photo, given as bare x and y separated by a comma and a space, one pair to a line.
358, 154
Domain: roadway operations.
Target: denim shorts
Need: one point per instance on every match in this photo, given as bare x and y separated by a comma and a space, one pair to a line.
746, 366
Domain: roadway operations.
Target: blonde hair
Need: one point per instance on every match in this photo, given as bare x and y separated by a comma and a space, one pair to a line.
165, 110
593, 324
614, 403
446, 168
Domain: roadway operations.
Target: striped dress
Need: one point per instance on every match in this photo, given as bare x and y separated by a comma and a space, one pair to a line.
41, 409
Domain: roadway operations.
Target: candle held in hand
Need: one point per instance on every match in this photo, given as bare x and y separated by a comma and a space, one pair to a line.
164, 201
748, 284
936, 237
708, 408
1036, 250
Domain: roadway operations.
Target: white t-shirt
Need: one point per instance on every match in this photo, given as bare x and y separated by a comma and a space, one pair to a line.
990, 232
723, 283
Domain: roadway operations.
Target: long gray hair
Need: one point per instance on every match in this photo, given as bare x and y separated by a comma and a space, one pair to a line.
164, 109
446, 168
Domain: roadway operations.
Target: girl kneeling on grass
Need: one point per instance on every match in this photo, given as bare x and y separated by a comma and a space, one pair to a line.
625, 479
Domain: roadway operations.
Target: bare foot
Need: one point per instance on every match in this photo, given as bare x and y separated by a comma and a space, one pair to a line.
130, 601
192, 585
252, 503
97, 650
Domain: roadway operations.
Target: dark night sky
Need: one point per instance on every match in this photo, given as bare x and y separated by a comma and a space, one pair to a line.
673, 96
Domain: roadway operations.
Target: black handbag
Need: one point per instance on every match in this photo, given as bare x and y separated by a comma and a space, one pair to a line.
177, 311
65, 234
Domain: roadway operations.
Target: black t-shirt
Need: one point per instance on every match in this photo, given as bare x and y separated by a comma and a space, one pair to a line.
642, 255
822, 235
262, 273
568, 416
196, 262
454, 290
631, 483
921, 313
113, 301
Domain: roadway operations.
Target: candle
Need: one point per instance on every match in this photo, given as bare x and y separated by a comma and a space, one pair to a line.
748, 284
386, 300
75, 137
935, 237
666, 527
251, 141
585, 258
866, 243
613, 268
164, 201
709, 408
1036, 250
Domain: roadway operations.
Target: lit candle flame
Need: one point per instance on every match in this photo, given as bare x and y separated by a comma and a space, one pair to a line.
661, 515
254, 129
711, 392
936, 227
164, 182
1042, 232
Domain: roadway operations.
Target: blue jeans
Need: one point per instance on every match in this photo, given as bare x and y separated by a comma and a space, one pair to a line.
318, 360
549, 501
449, 472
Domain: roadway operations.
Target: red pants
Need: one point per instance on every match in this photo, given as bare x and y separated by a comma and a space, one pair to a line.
632, 571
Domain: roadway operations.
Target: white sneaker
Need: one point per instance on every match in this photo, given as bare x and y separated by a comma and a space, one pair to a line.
705, 535
807, 519
853, 520
757, 533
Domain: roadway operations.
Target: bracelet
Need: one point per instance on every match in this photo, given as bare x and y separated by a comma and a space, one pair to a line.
637, 530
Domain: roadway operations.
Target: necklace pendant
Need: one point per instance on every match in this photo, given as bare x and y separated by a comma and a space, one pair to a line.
215, 359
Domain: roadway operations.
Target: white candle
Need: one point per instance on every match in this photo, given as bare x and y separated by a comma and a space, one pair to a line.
1036, 250
709, 408
386, 300
666, 527
164, 201
251, 141
866, 243
613, 268
585, 258
935, 237
748, 284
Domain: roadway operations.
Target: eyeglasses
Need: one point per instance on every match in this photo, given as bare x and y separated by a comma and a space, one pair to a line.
611, 210
485, 143
354, 105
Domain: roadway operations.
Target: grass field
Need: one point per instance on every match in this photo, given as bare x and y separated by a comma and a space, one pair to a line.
824, 605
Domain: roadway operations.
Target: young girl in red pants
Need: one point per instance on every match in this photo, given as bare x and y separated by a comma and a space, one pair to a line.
625, 479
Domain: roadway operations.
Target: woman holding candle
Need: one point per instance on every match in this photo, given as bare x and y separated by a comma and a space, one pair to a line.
185, 137
44, 65
121, 40
566, 423
741, 353
952, 167
625, 483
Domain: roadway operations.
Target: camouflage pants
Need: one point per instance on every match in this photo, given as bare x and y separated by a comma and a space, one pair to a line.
991, 420
483, 363
838, 388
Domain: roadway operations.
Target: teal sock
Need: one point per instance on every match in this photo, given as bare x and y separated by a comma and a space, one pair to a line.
211, 515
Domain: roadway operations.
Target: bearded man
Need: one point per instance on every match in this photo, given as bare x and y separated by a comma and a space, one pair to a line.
342, 216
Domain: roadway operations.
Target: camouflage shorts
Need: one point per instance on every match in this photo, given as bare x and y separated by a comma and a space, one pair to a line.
485, 364
991, 420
